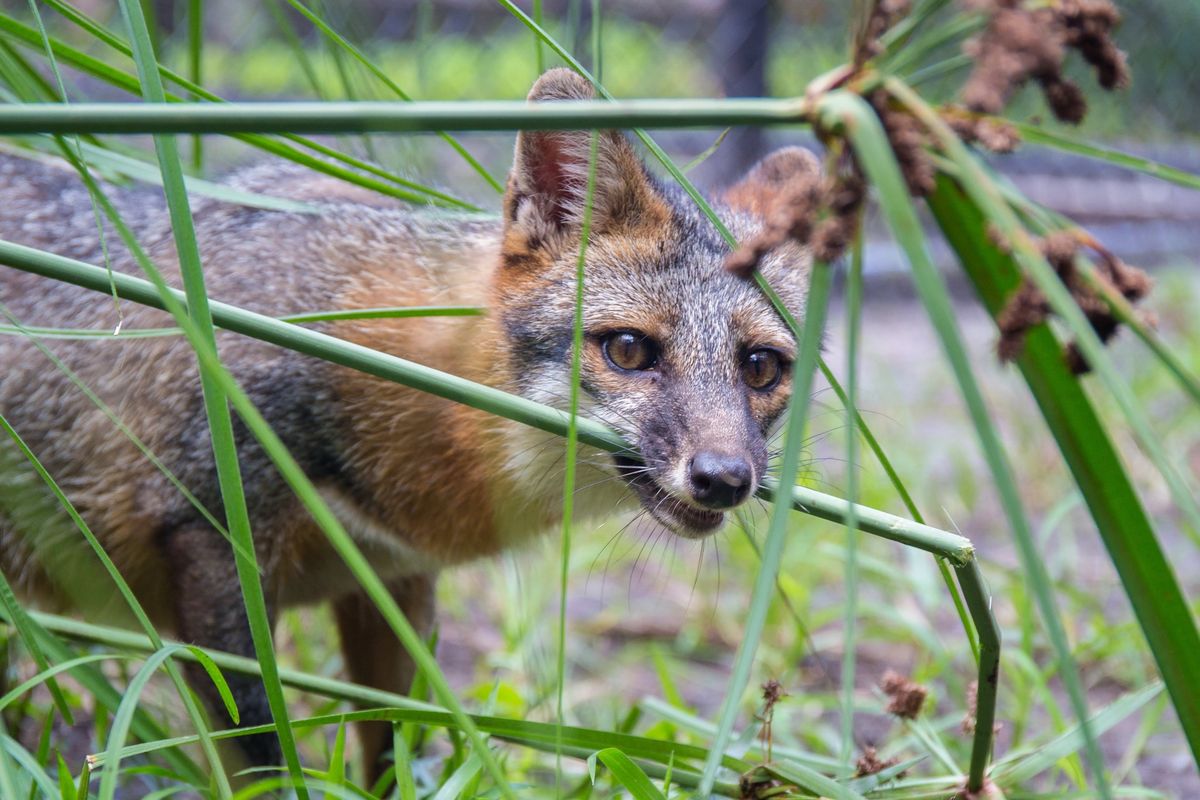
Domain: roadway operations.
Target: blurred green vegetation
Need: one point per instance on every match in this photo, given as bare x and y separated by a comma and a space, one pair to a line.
457, 54
641, 60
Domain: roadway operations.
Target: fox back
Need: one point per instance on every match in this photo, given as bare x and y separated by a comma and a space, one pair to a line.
690, 364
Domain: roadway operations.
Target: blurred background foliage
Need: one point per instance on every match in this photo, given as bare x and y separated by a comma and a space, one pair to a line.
473, 49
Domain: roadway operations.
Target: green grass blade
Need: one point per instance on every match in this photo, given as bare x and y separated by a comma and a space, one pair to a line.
28, 85
103, 159
627, 773
572, 445
250, 117
850, 614
1017, 769
195, 44
392, 312
811, 780
49, 673
851, 115
241, 665
361, 57
979, 603
456, 785
402, 312
20, 620
123, 719
41, 780
820, 280
1034, 134
66, 786
220, 420
539, 735
1146, 574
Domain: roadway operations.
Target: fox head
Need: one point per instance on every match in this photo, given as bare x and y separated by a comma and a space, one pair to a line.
692, 365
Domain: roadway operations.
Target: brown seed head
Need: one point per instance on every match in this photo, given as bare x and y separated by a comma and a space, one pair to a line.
869, 763
907, 697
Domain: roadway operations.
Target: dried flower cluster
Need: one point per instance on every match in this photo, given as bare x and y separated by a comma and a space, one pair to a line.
772, 693
907, 696
869, 763
1021, 44
988, 132
1029, 307
883, 16
817, 211
909, 142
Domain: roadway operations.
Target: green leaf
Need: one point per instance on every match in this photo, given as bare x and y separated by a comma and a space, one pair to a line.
66, 785
336, 774
811, 780
1035, 134
852, 116
214, 674
627, 773
405, 785
123, 719
220, 420
50, 672
456, 784
1017, 769
27, 631
29, 763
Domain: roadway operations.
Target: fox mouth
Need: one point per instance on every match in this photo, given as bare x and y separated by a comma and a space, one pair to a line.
678, 516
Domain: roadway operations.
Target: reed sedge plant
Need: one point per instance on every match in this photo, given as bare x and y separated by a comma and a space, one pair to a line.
507, 739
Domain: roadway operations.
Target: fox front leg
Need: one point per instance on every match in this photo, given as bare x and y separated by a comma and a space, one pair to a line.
209, 612
375, 657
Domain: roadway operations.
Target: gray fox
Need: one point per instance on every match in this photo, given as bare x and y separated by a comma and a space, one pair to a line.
689, 363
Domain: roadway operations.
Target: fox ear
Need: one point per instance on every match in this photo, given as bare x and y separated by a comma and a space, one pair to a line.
757, 192
547, 189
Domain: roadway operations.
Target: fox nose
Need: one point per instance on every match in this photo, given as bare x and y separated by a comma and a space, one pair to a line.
719, 481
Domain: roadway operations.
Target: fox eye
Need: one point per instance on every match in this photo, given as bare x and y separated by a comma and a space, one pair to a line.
762, 369
629, 350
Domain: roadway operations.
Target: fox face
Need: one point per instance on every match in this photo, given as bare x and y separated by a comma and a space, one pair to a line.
692, 365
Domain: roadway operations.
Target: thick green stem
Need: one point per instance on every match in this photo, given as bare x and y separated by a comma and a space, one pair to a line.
970, 578
378, 117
